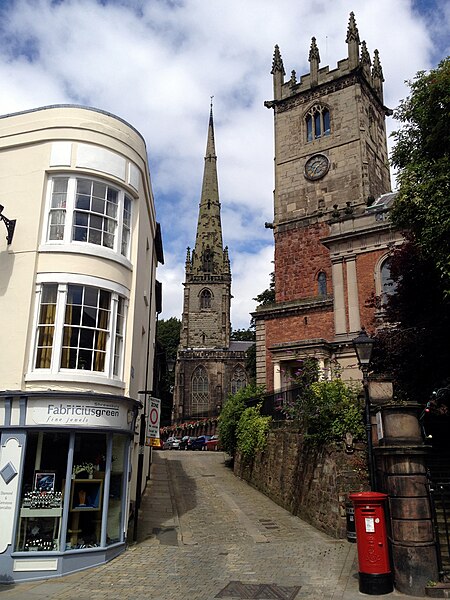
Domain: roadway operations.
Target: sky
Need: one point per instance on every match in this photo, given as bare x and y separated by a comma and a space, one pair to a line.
156, 64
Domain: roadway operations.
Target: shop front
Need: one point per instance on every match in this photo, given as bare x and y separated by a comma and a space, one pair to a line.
65, 466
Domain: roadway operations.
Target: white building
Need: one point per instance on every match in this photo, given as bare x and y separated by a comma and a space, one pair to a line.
78, 304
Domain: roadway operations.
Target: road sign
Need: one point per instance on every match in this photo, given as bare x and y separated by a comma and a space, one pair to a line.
154, 413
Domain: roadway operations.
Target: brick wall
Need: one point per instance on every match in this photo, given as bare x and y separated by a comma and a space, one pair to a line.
309, 483
299, 258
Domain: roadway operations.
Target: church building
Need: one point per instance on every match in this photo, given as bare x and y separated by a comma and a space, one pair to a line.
331, 214
209, 365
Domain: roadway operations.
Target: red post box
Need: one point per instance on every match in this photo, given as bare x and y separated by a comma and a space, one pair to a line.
375, 575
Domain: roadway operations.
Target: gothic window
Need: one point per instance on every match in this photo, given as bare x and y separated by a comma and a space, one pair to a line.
205, 299
207, 261
200, 391
238, 380
317, 122
322, 284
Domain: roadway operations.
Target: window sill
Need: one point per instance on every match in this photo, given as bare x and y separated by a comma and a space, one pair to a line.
75, 376
90, 249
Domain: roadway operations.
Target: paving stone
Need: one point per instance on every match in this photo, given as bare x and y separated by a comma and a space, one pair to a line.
202, 528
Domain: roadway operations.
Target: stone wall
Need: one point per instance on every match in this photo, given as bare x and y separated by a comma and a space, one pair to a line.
312, 484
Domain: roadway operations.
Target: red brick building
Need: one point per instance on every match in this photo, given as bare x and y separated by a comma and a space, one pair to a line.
331, 226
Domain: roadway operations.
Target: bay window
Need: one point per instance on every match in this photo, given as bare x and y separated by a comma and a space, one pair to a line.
89, 211
79, 327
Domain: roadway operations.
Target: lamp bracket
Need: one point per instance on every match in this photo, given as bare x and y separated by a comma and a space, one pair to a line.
10, 226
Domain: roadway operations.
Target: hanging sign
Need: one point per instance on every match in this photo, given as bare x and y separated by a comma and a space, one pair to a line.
153, 417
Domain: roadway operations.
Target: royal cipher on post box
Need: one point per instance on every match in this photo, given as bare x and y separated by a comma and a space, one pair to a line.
375, 575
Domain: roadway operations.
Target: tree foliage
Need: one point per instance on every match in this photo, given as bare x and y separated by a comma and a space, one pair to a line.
251, 433
422, 157
414, 348
231, 413
168, 336
327, 410
268, 295
243, 335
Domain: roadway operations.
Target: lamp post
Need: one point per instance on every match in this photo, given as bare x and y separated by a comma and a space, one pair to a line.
363, 345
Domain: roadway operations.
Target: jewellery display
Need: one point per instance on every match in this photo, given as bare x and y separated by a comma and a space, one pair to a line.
42, 500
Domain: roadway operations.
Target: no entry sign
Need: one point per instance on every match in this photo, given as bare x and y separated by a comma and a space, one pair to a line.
154, 412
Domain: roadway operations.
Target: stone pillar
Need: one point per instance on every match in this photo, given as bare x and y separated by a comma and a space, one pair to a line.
340, 322
402, 453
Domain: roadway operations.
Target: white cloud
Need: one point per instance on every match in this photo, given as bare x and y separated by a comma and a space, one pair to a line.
156, 64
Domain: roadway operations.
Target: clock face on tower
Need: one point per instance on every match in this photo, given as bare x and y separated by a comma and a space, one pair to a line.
316, 167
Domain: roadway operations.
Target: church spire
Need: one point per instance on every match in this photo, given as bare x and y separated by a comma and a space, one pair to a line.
208, 254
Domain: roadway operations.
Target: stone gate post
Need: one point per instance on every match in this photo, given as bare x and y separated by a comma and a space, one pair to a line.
401, 453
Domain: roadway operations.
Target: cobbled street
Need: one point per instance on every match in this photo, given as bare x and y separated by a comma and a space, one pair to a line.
206, 534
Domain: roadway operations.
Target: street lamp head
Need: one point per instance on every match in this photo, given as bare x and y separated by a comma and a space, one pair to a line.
363, 345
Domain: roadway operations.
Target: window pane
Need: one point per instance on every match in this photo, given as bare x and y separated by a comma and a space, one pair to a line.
322, 284
96, 199
80, 234
326, 122
98, 205
91, 296
114, 524
86, 495
317, 127
44, 474
46, 329
82, 202
309, 128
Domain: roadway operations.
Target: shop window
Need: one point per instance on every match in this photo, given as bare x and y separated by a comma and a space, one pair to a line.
86, 494
89, 211
238, 379
42, 496
115, 504
317, 122
74, 329
99, 467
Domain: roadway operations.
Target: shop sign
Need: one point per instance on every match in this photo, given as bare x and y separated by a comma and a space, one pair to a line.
82, 412
154, 413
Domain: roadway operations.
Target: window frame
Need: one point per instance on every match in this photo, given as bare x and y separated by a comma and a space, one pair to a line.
200, 399
380, 283
236, 379
113, 372
318, 116
122, 235
205, 299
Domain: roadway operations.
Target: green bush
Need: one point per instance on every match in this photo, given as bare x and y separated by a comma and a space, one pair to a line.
231, 413
252, 432
335, 410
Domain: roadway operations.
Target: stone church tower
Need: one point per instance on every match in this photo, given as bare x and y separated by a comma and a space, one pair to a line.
209, 367
331, 202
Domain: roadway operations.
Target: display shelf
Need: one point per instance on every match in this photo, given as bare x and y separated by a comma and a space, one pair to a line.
86, 495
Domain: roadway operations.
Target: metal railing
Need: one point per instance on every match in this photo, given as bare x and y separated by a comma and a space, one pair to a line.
277, 404
440, 506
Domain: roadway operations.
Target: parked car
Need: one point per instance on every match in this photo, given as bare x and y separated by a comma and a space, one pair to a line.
200, 442
186, 442
172, 443
213, 443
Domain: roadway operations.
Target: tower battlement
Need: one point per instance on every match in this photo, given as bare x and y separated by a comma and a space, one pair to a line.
358, 62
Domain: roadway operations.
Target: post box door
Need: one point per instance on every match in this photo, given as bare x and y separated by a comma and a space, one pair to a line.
373, 551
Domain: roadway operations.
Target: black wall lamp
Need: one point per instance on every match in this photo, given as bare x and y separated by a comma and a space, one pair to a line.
10, 225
